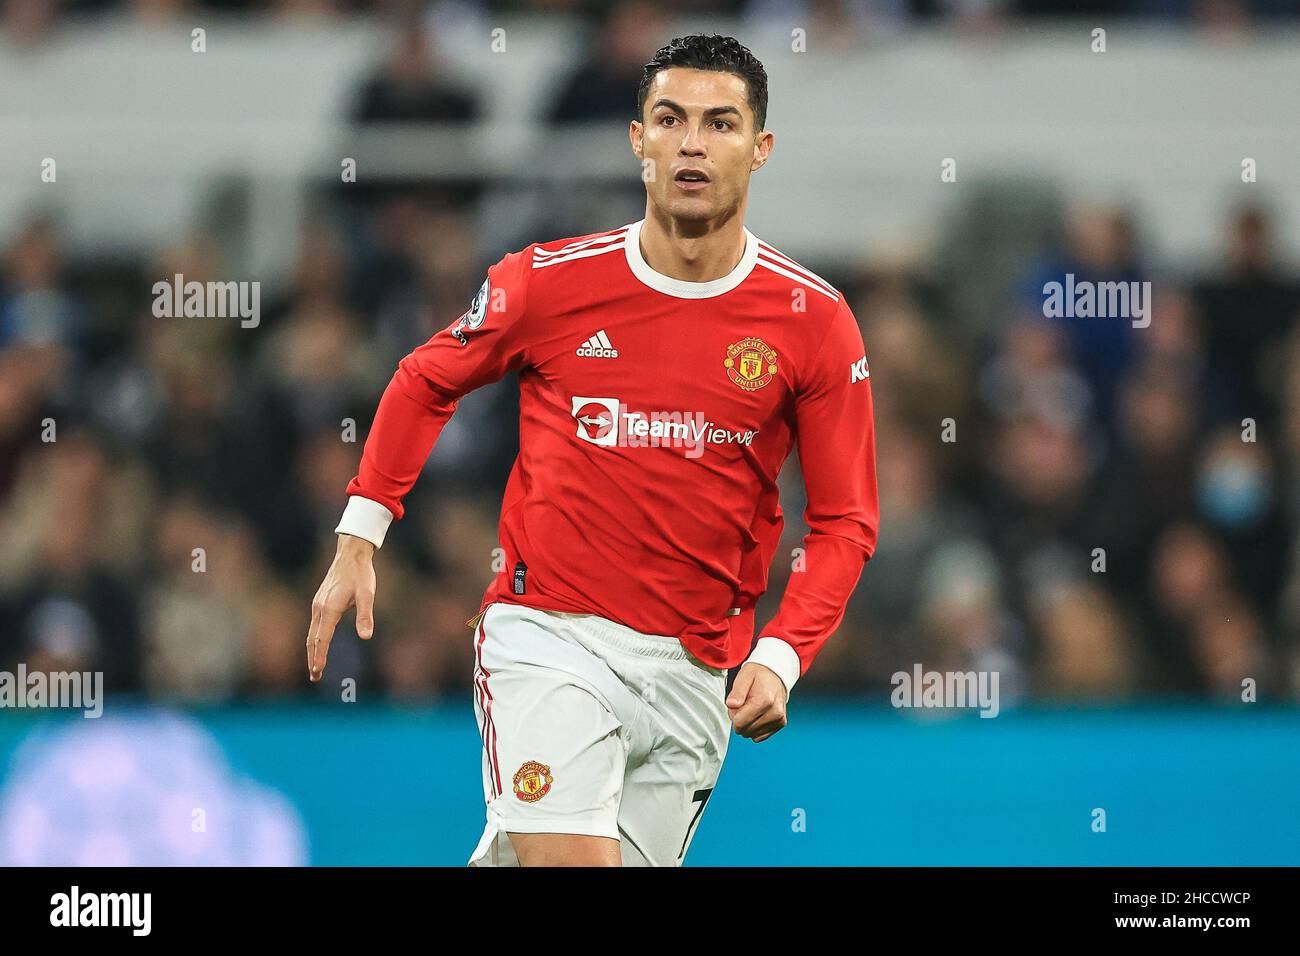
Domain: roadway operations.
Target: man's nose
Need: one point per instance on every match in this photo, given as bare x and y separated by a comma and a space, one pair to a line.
693, 142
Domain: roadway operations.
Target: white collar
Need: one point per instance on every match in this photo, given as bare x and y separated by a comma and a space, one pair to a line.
679, 287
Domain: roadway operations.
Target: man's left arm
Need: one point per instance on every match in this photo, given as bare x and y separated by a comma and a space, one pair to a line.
837, 454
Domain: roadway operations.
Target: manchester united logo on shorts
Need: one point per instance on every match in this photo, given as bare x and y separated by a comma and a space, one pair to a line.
750, 363
533, 781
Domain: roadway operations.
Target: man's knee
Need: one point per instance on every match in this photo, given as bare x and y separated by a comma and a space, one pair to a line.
565, 849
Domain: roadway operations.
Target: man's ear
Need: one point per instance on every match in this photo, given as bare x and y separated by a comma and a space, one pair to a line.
634, 132
763, 144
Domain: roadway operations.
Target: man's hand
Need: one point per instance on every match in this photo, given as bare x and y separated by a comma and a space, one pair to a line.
757, 702
350, 580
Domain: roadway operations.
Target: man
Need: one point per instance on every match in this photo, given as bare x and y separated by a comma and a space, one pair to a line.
666, 370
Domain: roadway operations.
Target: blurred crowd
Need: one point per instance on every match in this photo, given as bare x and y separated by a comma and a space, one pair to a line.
30, 22
1112, 509
1095, 510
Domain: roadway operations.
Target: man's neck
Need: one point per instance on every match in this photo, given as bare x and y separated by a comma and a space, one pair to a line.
691, 251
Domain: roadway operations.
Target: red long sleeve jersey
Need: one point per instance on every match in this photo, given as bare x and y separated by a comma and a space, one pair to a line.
655, 416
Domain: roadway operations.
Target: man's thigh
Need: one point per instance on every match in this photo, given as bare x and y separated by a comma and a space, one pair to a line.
554, 753
664, 797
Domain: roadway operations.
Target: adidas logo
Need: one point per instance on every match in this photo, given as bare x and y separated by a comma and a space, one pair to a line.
598, 346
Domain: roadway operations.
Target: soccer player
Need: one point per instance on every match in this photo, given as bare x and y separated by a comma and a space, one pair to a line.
666, 370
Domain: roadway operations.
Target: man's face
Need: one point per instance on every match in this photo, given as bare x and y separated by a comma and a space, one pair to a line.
698, 144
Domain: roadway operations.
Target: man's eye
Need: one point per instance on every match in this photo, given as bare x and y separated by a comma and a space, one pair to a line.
722, 124
668, 120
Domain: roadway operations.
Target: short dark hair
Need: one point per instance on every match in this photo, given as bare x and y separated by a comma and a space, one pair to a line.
713, 52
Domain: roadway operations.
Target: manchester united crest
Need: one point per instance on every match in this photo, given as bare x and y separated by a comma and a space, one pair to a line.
533, 781
750, 363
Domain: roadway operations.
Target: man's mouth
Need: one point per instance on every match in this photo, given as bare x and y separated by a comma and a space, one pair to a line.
691, 179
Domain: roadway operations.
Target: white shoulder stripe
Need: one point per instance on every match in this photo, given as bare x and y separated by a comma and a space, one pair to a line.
580, 254
802, 280
791, 264
574, 246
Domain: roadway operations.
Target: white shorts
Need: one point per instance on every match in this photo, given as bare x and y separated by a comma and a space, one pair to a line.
591, 727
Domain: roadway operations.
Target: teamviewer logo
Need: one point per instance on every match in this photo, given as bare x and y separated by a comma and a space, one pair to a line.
597, 419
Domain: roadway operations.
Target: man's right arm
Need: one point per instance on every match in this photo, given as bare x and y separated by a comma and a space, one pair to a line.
478, 348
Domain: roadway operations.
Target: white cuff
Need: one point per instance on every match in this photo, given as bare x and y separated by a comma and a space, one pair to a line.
777, 655
365, 519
